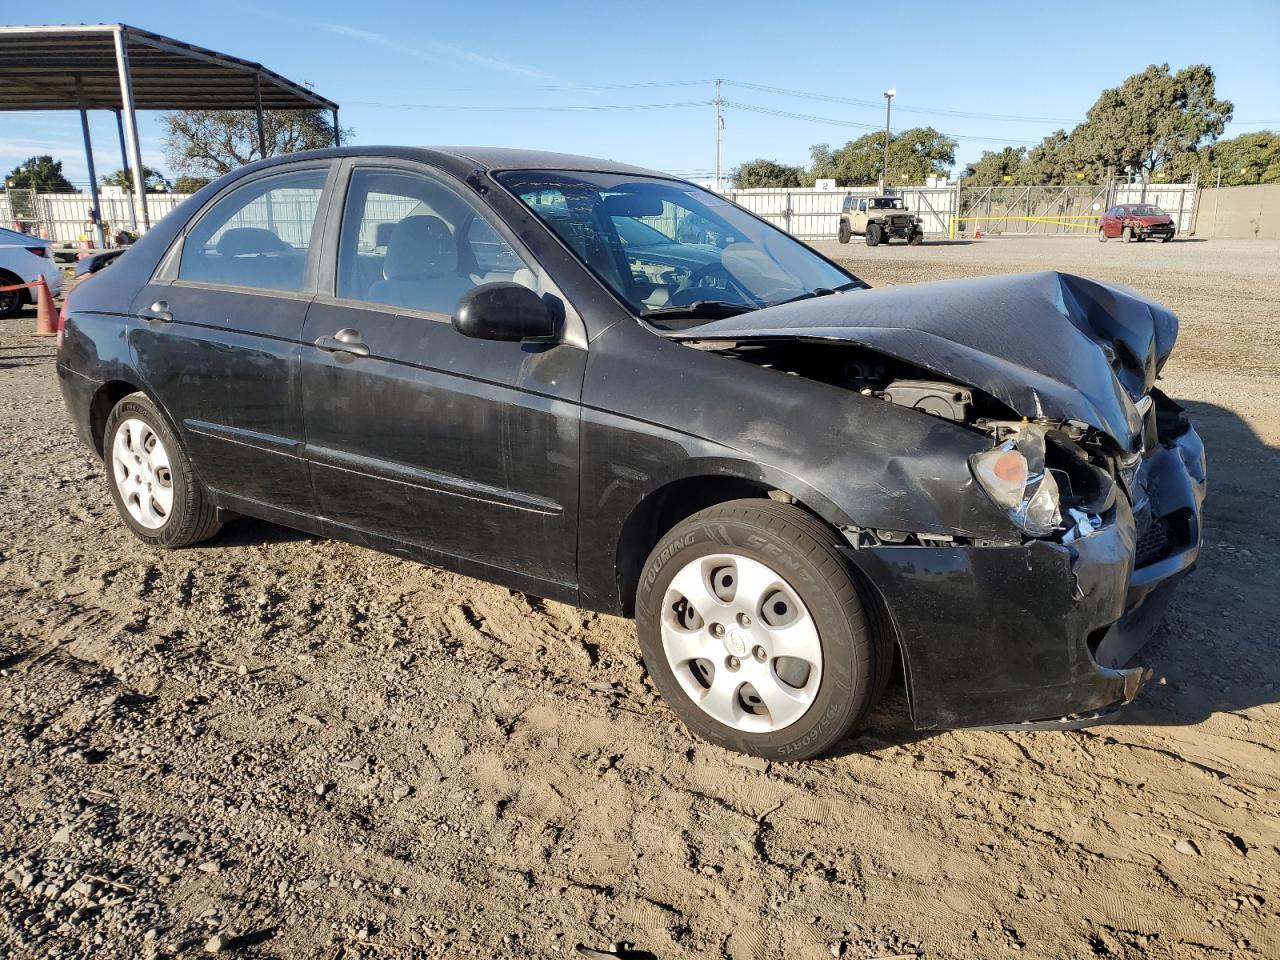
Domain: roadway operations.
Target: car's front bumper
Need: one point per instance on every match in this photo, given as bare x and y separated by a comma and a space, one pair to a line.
1038, 634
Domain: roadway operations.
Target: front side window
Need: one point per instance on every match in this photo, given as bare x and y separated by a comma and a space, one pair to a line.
663, 246
257, 236
410, 241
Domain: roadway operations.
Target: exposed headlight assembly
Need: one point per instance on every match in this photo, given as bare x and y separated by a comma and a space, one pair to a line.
1015, 478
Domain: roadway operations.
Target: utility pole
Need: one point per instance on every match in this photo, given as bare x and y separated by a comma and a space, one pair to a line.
719, 139
888, 104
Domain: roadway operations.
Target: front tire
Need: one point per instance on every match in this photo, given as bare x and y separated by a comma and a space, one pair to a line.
917, 238
152, 482
844, 233
1126, 235
754, 632
873, 234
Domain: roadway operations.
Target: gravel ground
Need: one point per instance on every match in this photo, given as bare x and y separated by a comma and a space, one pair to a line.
272, 745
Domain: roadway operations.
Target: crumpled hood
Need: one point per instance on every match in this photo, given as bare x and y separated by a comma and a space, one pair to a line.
1046, 344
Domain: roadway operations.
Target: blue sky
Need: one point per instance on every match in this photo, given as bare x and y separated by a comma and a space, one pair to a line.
634, 81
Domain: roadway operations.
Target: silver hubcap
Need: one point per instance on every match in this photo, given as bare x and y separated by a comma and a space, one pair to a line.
143, 475
741, 643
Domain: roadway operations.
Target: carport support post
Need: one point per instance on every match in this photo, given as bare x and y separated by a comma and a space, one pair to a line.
257, 100
337, 130
95, 208
131, 128
124, 161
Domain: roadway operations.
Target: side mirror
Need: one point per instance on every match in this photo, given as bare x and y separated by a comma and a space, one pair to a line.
503, 311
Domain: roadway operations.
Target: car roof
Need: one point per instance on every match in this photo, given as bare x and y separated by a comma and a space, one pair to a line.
478, 159
13, 236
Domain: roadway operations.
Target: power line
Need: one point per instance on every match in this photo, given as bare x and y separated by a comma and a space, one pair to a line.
533, 109
753, 108
852, 101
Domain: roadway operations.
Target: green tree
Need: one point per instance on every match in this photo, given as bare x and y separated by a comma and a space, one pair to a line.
1248, 158
991, 169
152, 180
914, 155
190, 184
1055, 160
213, 142
1151, 119
765, 173
42, 174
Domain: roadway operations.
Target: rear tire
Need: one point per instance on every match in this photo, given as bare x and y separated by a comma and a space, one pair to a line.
152, 482
1102, 235
873, 234
716, 656
10, 302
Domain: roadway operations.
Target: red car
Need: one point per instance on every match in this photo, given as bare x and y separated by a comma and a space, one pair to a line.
1136, 221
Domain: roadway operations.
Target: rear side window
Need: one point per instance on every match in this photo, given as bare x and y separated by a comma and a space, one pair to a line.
257, 236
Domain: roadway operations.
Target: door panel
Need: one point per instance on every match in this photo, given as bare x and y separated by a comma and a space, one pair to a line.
462, 446
226, 370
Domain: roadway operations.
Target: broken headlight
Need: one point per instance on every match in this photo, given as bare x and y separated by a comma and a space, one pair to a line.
1015, 478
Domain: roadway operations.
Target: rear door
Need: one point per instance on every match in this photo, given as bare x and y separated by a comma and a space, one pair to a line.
218, 330
465, 451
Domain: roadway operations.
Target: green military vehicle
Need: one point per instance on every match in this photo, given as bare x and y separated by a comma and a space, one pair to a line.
879, 220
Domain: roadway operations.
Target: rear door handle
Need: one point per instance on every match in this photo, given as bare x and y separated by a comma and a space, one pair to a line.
346, 340
157, 311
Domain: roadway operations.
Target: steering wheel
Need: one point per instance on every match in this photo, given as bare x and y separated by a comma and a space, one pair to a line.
693, 284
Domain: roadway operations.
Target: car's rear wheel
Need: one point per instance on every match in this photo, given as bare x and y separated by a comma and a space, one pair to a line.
754, 631
10, 300
152, 482
844, 234
873, 234
1102, 235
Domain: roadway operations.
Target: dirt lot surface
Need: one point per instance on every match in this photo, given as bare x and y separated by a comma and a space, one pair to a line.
272, 745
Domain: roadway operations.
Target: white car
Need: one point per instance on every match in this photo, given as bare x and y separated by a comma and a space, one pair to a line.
22, 259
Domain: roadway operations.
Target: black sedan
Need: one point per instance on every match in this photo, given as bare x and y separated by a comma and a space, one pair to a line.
606, 386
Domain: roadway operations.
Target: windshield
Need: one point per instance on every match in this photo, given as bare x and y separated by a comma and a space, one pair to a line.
887, 203
668, 248
1145, 210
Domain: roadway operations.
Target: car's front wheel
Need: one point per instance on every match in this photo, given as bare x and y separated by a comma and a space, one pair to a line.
1127, 234
754, 632
152, 482
844, 232
873, 234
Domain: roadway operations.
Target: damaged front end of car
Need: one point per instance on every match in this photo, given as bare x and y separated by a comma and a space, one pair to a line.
1098, 474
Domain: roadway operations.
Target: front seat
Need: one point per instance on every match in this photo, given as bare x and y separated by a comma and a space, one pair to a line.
420, 270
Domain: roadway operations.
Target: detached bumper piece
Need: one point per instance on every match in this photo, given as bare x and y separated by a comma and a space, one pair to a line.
1036, 636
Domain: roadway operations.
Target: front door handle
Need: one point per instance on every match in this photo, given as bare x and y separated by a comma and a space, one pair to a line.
157, 311
346, 340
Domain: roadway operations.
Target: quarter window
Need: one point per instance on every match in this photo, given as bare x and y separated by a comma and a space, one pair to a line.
410, 241
257, 236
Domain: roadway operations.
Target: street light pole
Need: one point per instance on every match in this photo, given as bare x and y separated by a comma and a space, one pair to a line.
888, 105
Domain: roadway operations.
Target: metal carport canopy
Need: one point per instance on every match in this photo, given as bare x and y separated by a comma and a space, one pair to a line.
123, 69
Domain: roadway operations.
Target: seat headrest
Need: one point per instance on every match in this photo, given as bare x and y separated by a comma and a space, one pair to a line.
420, 247
249, 241
382, 233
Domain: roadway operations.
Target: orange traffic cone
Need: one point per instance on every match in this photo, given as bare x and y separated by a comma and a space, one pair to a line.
46, 315
977, 233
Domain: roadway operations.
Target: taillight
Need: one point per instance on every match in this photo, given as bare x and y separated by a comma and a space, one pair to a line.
38, 251
62, 318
